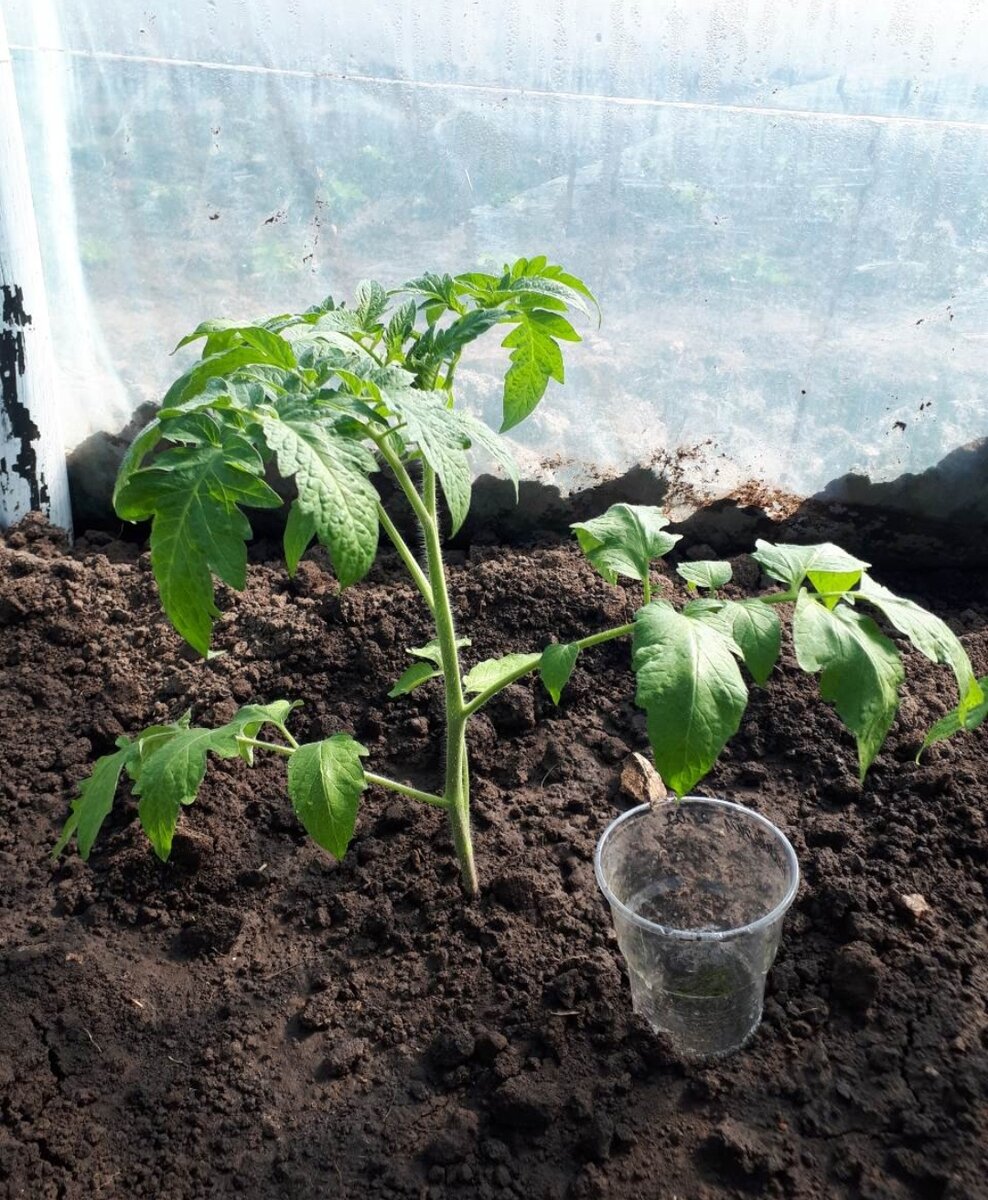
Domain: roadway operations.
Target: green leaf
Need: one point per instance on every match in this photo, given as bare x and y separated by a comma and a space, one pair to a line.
438, 344
137, 451
690, 688
194, 493
539, 266
556, 666
625, 540
270, 347
480, 434
391, 375
417, 673
555, 325
333, 343
325, 780
399, 328
432, 651
151, 739
757, 629
206, 329
224, 396
958, 720
834, 585
429, 668
333, 489
92, 805
706, 574
300, 529
339, 320
752, 625
499, 672
707, 606
283, 321
171, 775
370, 300
860, 669
711, 612
439, 434
96, 793
440, 289
931, 637
247, 722
543, 286
823, 564
275, 349
535, 359
477, 281
225, 363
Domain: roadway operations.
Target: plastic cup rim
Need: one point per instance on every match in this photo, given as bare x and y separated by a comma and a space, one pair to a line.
699, 935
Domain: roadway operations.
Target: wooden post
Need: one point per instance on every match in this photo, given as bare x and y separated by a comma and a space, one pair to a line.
32, 454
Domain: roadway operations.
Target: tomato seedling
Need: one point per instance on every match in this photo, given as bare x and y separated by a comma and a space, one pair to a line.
330, 396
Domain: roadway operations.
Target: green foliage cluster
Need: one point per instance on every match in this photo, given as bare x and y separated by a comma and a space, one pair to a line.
330, 396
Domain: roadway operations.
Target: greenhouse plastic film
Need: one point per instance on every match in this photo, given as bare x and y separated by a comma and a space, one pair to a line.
779, 207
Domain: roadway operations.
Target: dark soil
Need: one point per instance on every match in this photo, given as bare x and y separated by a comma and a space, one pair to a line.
255, 1020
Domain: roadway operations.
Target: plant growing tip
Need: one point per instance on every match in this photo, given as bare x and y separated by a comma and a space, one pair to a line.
330, 397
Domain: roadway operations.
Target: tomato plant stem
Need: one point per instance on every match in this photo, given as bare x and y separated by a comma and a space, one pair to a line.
456, 790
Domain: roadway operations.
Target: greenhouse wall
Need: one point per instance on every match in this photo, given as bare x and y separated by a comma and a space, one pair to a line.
780, 205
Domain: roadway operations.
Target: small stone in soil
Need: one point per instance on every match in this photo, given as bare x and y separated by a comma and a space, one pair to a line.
914, 906
639, 781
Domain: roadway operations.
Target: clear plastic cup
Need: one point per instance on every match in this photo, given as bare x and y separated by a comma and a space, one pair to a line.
698, 889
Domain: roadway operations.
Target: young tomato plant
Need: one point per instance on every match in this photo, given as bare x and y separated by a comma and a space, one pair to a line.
330, 396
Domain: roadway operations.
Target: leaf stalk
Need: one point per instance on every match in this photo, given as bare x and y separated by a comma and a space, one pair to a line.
274, 747
594, 639
404, 790
407, 557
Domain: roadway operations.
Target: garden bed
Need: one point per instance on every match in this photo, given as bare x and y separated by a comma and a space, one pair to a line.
253, 1019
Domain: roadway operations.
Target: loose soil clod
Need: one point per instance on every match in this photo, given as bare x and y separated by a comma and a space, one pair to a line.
213, 1028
